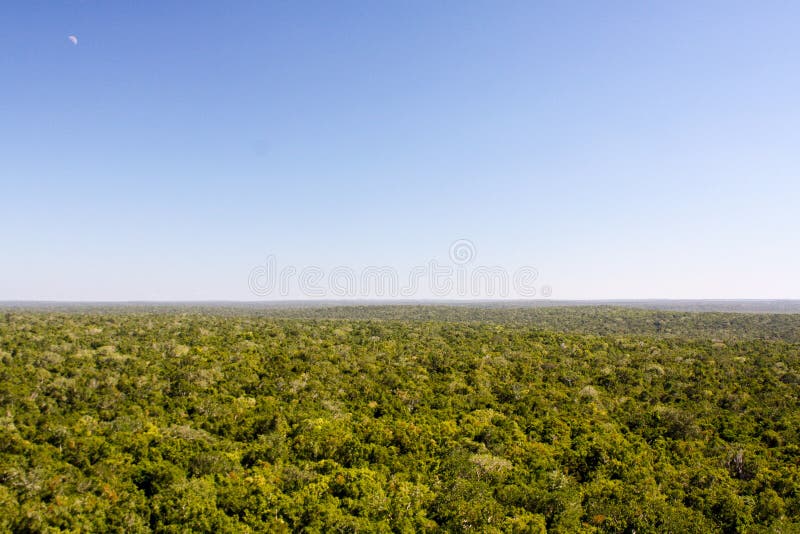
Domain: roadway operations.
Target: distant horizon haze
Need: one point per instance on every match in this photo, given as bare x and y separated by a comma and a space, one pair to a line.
770, 306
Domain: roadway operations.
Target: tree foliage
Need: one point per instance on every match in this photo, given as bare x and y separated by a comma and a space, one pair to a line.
191, 421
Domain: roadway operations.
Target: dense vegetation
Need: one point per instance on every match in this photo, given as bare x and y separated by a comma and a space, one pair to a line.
598, 320
399, 420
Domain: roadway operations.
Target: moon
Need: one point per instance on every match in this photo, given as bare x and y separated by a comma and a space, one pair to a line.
73, 39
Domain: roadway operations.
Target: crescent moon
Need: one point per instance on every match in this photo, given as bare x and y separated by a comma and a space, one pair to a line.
73, 39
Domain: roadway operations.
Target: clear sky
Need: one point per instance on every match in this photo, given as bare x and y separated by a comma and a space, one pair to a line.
624, 149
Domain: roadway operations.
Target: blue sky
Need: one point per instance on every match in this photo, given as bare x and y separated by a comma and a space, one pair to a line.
624, 149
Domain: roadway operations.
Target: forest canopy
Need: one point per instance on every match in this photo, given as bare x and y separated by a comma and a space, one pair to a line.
399, 419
